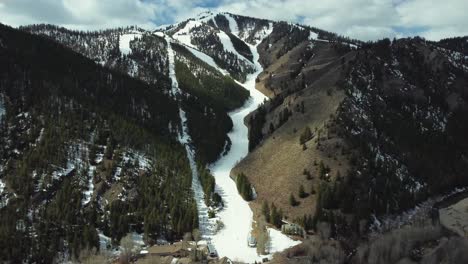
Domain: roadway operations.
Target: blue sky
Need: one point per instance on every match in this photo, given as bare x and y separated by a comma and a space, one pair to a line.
362, 19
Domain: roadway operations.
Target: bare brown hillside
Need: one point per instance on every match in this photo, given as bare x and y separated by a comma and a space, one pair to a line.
302, 82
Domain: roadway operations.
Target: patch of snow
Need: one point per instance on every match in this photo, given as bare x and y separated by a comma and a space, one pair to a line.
228, 46
124, 42
138, 239
88, 194
159, 34
233, 27
313, 35
2, 186
105, 242
2, 109
184, 36
263, 33
207, 59
279, 241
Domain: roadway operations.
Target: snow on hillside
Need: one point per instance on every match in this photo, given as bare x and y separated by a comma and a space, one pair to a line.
2, 109
184, 36
207, 59
2, 186
124, 42
88, 194
313, 35
228, 46
206, 227
261, 34
232, 24
237, 216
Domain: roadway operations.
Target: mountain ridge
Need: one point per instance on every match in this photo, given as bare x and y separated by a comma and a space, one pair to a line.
342, 142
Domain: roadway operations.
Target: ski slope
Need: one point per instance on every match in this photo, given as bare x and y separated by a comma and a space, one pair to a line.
229, 47
206, 226
237, 216
124, 42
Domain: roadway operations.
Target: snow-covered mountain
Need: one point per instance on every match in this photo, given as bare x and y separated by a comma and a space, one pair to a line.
150, 132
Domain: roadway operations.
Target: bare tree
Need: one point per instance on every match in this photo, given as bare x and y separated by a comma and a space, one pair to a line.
197, 237
127, 247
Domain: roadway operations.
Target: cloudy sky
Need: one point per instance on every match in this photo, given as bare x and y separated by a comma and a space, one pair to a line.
362, 19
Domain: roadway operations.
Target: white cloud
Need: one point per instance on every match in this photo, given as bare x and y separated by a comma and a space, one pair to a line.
362, 19
441, 18
82, 14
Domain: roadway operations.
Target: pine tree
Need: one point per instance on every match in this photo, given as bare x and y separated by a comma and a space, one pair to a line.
266, 211
276, 216
292, 200
302, 193
305, 136
322, 170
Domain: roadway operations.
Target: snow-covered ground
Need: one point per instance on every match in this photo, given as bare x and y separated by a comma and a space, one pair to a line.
232, 24
183, 35
207, 59
124, 42
88, 194
228, 46
237, 216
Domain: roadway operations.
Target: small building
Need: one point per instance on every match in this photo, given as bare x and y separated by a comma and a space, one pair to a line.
174, 250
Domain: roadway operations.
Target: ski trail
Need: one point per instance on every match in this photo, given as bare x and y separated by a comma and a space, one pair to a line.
204, 225
233, 27
237, 215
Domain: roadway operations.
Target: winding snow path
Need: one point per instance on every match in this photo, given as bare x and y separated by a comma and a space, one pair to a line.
237, 216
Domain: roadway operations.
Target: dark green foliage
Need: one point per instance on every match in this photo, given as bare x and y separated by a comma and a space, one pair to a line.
222, 22
266, 211
276, 216
323, 171
208, 129
294, 34
215, 94
219, 91
207, 40
211, 214
307, 173
171, 204
241, 47
244, 187
55, 70
416, 129
284, 116
217, 200
208, 183
293, 201
60, 102
306, 135
302, 192
256, 123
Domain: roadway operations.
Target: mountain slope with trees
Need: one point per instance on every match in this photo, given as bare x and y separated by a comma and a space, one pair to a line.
84, 150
